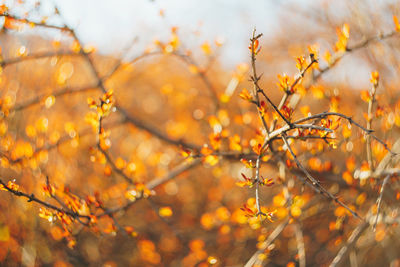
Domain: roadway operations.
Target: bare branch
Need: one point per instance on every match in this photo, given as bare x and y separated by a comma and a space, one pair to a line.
379, 201
344, 251
315, 183
300, 245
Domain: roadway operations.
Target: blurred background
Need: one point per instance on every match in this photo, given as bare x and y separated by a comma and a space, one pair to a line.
176, 70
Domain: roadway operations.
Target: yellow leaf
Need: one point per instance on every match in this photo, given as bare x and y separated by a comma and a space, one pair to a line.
4, 233
165, 212
374, 78
396, 23
245, 95
206, 48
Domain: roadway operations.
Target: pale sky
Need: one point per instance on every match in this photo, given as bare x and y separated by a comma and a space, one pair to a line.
111, 25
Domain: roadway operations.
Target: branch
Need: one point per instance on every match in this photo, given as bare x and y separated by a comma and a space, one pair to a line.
130, 119
300, 245
11, 61
107, 212
154, 184
33, 198
351, 121
255, 78
287, 93
113, 166
100, 84
344, 251
379, 201
39, 24
64, 91
190, 61
119, 65
356, 47
315, 183
255, 260
153, 131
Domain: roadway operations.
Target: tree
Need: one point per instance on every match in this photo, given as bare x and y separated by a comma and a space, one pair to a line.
163, 160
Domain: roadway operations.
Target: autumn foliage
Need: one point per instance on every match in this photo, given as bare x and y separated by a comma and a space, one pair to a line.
167, 158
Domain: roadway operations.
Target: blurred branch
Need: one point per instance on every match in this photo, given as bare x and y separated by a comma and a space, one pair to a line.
315, 183
379, 201
300, 245
120, 64
172, 174
64, 91
155, 132
129, 118
154, 184
351, 241
255, 260
353, 48
336, 60
202, 75
107, 212
34, 23
100, 82
353, 258
351, 121
100, 131
60, 141
33, 198
113, 166
178, 234
34, 56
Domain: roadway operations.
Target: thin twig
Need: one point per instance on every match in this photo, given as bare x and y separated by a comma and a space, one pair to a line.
257, 181
100, 84
33, 198
291, 89
369, 125
255, 78
255, 260
113, 166
64, 91
40, 24
379, 201
154, 184
315, 183
343, 252
34, 56
202, 75
351, 121
300, 245
353, 48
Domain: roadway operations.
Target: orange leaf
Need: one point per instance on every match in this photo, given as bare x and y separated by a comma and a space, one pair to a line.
215, 140
246, 95
328, 57
258, 149
365, 96
206, 48
249, 164
284, 82
262, 108
287, 112
165, 212
396, 23
374, 78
